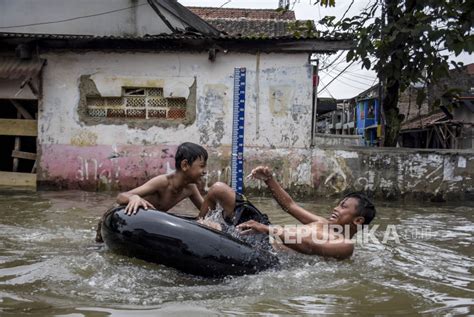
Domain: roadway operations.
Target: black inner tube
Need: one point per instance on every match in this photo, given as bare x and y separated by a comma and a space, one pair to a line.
183, 244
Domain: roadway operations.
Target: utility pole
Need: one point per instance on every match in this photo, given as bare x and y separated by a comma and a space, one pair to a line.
314, 118
382, 79
284, 4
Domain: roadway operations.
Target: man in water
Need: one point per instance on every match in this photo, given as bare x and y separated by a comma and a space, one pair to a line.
328, 237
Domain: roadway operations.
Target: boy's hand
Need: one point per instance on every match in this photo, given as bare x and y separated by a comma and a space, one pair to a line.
252, 226
263, 173
211, 224
134, 202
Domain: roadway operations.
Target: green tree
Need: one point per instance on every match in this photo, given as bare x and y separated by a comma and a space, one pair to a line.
411, 41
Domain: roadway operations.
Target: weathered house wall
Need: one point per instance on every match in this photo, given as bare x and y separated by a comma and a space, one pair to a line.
409, 108
106, 18
464, 115
459, 81
278, 110
98, 155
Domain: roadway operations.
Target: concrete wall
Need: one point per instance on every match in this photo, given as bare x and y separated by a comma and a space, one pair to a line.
464, 115
384, 173
278, 106
388, 173
322, 140
84, 17
76, 154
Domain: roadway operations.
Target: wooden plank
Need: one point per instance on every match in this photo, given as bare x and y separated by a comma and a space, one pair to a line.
33, 170
21, 109
24, 155
18, 127
9, 89
440, 138
428, 137
16, 148
17, 179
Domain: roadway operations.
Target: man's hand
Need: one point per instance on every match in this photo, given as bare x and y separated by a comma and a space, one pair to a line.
134, 202
252, 226
263, 173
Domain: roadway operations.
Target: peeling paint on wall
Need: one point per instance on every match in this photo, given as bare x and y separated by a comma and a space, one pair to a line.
312, 172
100, 86
281, 97
103, 167
84, 138
70, 77
213, 107
77, 152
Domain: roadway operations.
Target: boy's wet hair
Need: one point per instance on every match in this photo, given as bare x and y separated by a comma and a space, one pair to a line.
190, 152
365, 208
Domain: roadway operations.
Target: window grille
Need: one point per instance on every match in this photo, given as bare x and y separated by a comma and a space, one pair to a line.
138, 103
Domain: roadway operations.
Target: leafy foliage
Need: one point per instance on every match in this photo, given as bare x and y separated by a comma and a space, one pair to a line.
407, 42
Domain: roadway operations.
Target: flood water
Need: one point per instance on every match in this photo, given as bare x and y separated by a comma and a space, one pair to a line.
51, 266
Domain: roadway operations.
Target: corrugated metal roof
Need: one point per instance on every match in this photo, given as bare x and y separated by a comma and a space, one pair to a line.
183, 14
423, 122
233, 13
97, 37
297, 35
14, 68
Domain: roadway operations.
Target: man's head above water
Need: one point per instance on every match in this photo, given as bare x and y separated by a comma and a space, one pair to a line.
353, 209
312, 236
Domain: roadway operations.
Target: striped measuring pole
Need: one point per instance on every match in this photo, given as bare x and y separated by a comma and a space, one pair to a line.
238, 122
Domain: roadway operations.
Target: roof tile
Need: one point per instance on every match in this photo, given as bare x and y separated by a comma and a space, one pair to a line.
423, 122
234, 13
265, 28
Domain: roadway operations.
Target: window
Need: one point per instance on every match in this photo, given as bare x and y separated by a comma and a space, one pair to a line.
138, 103
371, 109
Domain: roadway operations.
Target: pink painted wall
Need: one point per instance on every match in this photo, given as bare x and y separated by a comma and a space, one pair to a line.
103, 166
386, 173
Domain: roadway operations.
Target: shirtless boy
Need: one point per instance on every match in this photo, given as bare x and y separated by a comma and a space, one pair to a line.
164, 191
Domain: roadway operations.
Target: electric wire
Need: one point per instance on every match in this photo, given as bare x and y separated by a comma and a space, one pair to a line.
342, 82
356, 79
353, 74
72, 19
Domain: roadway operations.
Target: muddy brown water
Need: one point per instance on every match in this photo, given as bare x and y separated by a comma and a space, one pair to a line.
50, 266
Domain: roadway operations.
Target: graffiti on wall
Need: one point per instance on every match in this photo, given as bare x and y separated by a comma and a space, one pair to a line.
107, 166
326, 172
390, 173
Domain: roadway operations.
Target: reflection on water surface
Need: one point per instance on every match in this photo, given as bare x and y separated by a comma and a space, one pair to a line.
50, 266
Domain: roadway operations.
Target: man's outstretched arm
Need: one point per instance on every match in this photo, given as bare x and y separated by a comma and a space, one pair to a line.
283, 198
304, 241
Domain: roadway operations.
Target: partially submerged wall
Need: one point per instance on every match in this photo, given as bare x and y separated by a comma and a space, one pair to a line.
383, 173
119, 154
81, 147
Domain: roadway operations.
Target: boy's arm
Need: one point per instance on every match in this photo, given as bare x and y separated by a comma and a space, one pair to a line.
283, 198
196, 197
339, 248
133, 198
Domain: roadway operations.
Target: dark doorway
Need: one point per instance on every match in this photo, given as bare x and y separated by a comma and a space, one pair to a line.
17, 152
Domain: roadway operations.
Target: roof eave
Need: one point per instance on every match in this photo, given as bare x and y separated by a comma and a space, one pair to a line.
175, 43
185, 15
285, 45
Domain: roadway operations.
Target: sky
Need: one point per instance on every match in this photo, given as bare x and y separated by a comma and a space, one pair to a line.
350, 83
